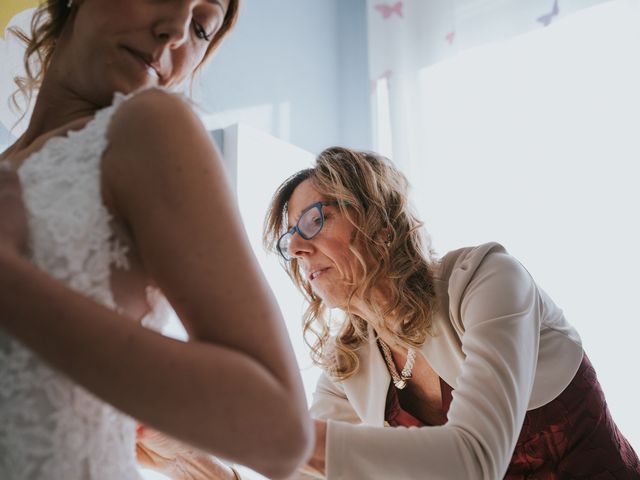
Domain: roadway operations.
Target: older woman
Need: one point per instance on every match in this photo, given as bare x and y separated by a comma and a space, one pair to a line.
468, 359
128, 207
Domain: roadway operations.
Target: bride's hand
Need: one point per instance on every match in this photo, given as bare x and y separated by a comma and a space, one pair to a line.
157, 451
176, 460
13, 218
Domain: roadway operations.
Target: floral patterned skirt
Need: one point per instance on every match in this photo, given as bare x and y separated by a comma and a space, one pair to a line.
571, 437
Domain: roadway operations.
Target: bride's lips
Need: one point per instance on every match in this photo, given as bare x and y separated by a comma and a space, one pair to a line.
153, 68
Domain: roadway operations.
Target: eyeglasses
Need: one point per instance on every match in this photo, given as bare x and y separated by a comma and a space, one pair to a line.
308, 226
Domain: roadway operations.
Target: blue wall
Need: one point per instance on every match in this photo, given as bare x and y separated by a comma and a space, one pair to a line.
5, 137
355, 86
309, 55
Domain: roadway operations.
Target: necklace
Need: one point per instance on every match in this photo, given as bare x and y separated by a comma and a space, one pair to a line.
401, 379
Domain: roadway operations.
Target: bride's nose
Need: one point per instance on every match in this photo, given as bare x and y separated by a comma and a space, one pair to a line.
173, 23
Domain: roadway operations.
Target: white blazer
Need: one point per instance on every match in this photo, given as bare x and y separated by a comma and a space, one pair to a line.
500, 343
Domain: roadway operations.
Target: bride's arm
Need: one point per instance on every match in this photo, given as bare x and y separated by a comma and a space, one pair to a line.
234, 388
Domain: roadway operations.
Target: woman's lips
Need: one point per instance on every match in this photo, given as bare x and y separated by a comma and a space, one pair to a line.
314, 275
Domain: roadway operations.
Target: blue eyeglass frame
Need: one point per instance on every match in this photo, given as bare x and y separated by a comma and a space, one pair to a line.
295, 228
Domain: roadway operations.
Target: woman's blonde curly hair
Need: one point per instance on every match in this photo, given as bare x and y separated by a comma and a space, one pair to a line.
372, 195
47, 24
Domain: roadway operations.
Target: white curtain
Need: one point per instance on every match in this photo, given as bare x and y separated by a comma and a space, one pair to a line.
405, 36
527, 135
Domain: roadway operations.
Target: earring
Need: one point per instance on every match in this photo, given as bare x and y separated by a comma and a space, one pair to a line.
388, 242
69, 3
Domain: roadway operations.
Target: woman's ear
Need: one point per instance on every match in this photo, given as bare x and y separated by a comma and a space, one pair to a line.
385, 236
389, 239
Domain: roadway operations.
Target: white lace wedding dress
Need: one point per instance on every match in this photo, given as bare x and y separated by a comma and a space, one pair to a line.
50, 427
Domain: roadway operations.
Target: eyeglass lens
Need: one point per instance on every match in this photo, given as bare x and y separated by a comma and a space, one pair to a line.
309, 225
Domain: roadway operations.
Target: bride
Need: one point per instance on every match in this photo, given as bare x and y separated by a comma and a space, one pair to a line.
127, 208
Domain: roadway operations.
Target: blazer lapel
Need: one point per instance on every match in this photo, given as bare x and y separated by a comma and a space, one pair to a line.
367, 389
440, 350
445, 343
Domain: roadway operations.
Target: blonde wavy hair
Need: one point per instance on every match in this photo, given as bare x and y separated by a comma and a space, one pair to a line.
372, 195
47, 24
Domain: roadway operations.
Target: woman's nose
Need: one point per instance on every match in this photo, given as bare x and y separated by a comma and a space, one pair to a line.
299, 247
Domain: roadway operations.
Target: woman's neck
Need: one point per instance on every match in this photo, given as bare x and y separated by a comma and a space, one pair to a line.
55, 107
370, 311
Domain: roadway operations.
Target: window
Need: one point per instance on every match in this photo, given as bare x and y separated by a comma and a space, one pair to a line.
534, 143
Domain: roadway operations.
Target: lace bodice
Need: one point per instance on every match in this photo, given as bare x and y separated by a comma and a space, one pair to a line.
50, 427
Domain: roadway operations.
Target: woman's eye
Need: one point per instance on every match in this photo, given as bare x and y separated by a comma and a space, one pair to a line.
201, 33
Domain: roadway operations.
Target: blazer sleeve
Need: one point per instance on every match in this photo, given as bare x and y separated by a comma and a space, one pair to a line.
331, 403
498, 308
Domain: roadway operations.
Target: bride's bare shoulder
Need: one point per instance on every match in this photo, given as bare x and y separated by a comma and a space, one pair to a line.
155, 115
154, 125
155, 139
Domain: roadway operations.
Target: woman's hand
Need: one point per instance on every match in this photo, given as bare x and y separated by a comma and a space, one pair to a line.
13, 218
176, 460
316, 464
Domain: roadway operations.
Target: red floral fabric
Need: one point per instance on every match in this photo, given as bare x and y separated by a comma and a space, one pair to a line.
571, 437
